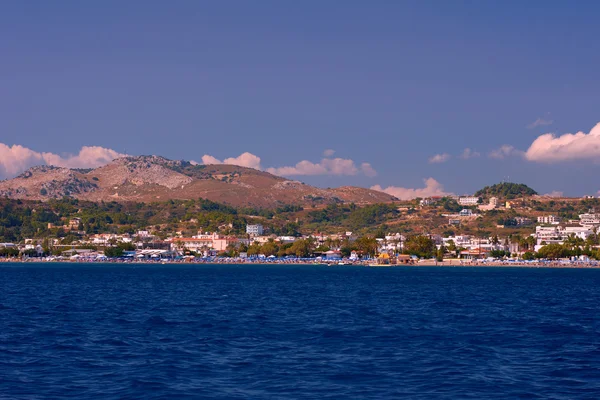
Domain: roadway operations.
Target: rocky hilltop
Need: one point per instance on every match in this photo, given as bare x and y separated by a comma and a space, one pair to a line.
154, 178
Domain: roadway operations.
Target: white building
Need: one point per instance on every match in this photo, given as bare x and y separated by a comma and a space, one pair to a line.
468, 201
589, 220
522, 221
548, 219
428, 201
254, 230
286, 239
558, 234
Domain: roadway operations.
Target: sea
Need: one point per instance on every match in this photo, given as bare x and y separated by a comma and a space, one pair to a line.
81, 331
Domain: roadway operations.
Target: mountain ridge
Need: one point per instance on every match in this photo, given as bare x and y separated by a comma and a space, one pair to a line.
156, 178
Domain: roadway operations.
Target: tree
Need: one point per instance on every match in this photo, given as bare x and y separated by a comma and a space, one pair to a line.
553, 251
498, 253
528, 255
451, 245
421, 246
366, 245
302, 248
440, 253
270, 248
346, 248
232, 250
113, 252
254, 249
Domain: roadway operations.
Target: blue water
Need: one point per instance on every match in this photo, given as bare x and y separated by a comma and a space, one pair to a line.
288, 332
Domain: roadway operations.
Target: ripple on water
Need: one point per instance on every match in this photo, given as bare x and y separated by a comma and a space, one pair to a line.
298, 332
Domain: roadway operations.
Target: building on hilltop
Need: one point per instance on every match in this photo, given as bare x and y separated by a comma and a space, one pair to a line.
523, 221
466, 212
548, 219
589, 220
468, 201
74, 223
493, 204
429, 201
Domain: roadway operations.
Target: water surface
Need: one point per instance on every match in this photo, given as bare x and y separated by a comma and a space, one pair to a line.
292, 332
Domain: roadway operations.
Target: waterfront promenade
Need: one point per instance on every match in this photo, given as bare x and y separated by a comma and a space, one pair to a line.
310, 261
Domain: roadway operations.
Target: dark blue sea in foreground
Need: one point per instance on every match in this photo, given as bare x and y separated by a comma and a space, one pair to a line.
291, 332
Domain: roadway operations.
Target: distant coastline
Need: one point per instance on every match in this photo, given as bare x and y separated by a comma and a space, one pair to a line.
309, 262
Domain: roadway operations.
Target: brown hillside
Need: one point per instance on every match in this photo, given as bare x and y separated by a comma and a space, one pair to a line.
153, 178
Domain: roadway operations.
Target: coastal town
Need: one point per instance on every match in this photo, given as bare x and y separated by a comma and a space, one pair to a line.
525, 236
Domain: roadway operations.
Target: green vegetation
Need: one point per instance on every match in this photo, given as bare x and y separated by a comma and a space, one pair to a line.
420, 246
118, 250
506, 190
9, 252
21, 219
352, 217
449, 204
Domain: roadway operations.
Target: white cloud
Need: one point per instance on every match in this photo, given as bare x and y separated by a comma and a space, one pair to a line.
368, 170
555, 193
328, 152
432, 188
16, 159
439, 158
302, 168
327, 166
246, 159
567, 147
540, 122
504, 152
468, 153
208, 160
88, 157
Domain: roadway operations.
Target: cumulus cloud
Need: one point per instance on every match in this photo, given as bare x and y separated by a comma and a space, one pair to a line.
209, 160
368, 170
16, 159
439, 158
328, 152
88, 157
246, 159
468, 153
327, 166
540, 122
504, 152
432, 188
570, 146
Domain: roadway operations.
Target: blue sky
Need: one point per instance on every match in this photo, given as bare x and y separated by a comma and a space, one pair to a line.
388, 83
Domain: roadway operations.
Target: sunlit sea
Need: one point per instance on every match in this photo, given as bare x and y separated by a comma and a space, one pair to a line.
297, 332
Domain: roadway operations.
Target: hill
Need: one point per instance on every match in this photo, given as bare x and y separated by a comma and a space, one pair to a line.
506, 190
154, 178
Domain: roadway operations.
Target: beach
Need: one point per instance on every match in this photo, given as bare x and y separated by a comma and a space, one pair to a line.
310, 261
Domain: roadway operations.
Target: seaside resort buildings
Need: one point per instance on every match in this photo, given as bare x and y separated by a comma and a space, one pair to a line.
550, 230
